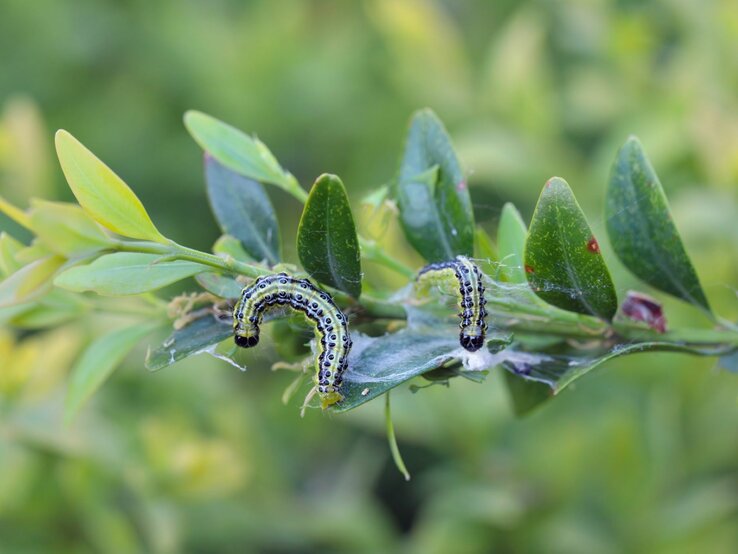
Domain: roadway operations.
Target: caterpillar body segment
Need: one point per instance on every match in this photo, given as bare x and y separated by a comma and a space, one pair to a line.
302, 296
469, 289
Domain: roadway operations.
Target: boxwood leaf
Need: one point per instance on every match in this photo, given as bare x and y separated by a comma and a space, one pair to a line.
563, 262
188, 341
219, 285
102, 193
559, 371
124, 273
238, 151
326, 238
388, 361
642, 231
98, 362
65, 228
435, 207
243, 210
29, 281
9, 247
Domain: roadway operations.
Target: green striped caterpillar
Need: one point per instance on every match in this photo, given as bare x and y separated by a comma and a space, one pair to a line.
469, 288
302, 296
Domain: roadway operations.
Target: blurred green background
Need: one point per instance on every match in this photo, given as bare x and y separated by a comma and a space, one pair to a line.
641, 457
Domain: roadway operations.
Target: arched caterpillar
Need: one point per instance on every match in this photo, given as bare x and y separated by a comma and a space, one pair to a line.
302, 296
470, 291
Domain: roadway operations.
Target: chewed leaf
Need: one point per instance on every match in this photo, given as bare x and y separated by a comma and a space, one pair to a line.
326, 239
102, 193
563, 262
193, 339
243, 210
559, 371
642, 231
124, 273
236, 150
380, 364
435, 207
98, 362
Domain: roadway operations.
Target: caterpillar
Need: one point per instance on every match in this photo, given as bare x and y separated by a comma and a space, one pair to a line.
302, 296
470, 292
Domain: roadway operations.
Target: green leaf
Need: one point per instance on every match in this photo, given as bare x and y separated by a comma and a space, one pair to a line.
35, 251
220, 285
435, 207
484, 246
243, 154
525, 395
124, 273
326, 239
66, 229
243, 210
29, 281
193, 339
563, 262
97, 363
51, 310
14, 213
558, 371
642, 231
511, 235
388, 361
226, 245
9, 248
102, 193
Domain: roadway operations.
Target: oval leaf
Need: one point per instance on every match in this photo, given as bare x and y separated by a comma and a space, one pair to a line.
642, 230
188, 341
563, 262
29, 281
66, 229
243, 210
125, 273
236, 150
97, 363
435, 207
102, 193
220, 285
326, 239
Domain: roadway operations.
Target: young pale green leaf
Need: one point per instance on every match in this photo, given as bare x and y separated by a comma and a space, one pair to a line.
14, 213
243, 210
484, 246
97, 363
243, 154
431, 192
124, 273
219, 285
642, 231
9, 248
563, 262
28, 282
192, 339
511, 235
33, 252
50, 310
103, 194
66, 229
226, 245
326, 238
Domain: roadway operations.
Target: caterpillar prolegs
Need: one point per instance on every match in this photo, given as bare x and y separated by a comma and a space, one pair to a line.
302, 296
470, 291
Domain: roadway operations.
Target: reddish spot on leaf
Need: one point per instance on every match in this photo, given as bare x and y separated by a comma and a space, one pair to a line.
461, 186
593, 246
529, 269
641, 307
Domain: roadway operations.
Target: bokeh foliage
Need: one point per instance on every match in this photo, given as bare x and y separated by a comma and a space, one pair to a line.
641, 458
